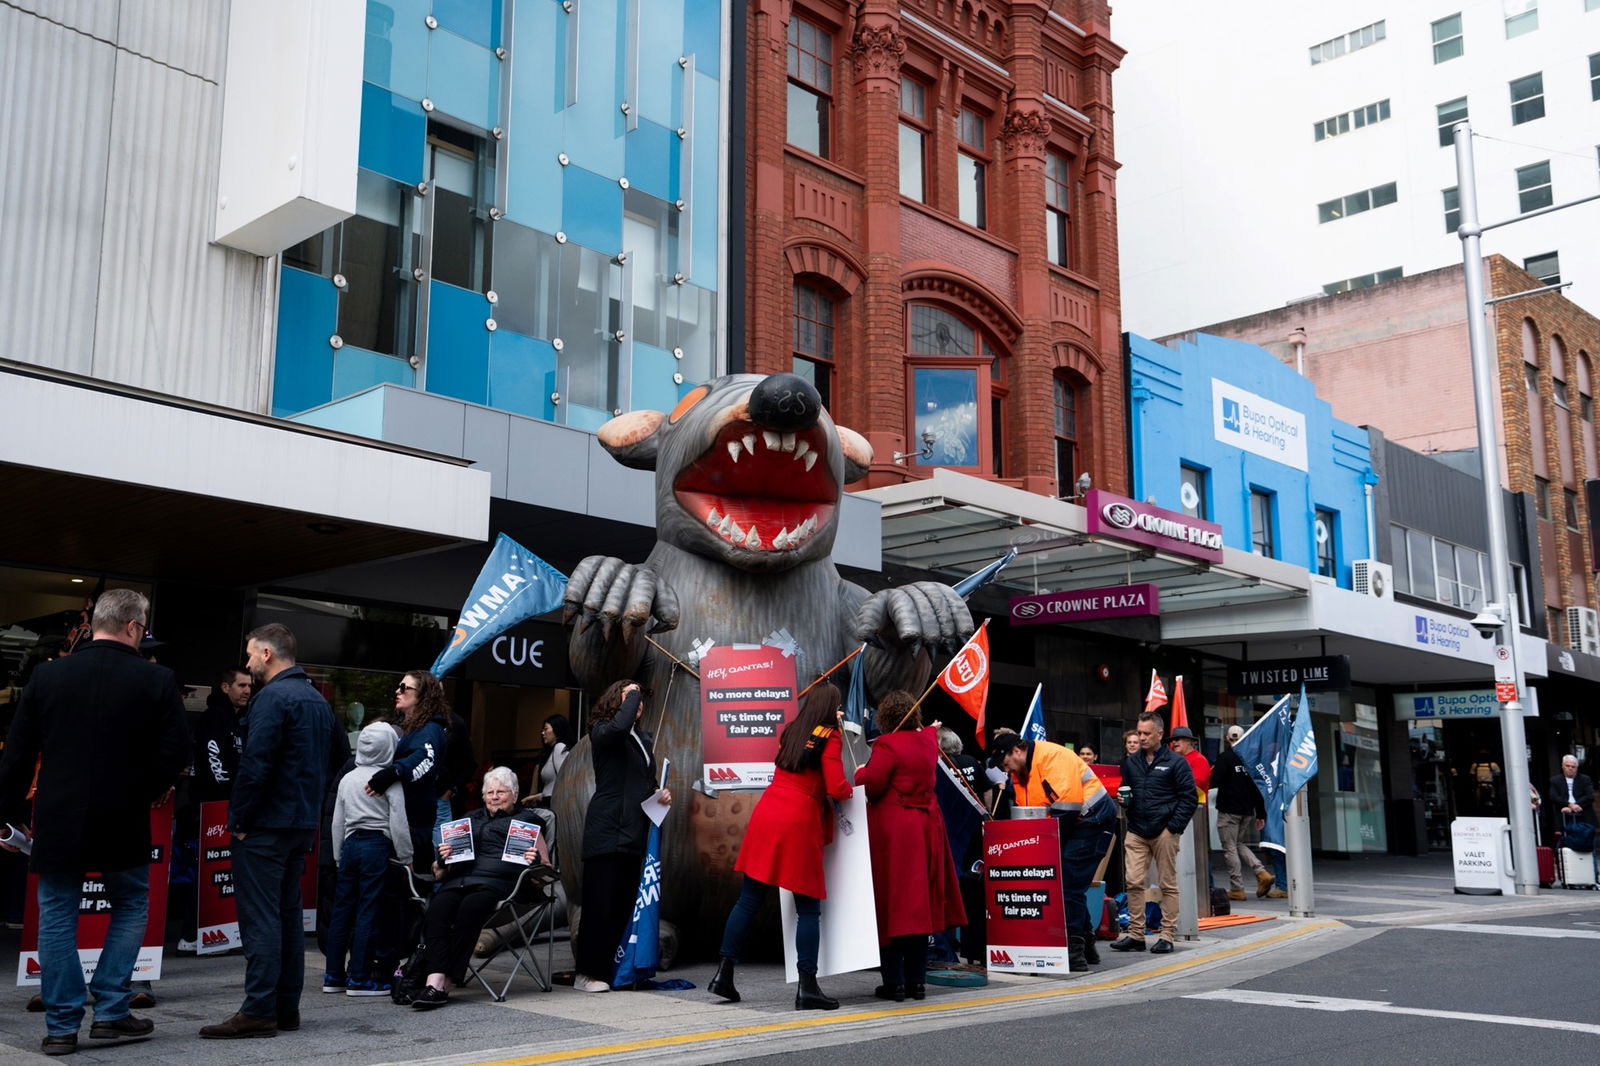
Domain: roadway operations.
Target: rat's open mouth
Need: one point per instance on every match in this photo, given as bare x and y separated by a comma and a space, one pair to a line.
760, 489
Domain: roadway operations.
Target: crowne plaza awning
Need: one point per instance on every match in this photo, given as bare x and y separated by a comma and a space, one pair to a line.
951, 524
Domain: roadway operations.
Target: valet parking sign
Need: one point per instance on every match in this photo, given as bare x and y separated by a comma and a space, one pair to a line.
747, 695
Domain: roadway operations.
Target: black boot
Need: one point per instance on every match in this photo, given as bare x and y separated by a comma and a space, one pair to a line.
1076, 963
722, 982
810, 997
1090, 952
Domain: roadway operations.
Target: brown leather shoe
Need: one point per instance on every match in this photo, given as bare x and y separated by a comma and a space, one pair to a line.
241, 1026
1236, 893
1277, 893
1264, 883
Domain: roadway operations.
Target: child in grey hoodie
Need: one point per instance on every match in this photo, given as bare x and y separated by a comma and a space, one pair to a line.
368, 831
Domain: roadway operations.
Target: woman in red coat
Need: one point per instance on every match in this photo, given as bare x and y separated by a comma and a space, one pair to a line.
913, 875
792, 823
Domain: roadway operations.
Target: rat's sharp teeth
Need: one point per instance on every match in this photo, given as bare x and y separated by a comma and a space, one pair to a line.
735, 534
725, 526
788, 442
782, 539
800, 449
810, 525
713, 519
749, 442
811, 461
752, 539
773, 441
733, 450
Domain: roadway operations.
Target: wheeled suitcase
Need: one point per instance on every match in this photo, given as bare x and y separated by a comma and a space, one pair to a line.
1547, 866
1577, 869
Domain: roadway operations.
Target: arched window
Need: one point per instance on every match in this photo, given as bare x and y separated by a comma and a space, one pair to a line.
1586, 413
955, 386
815, 319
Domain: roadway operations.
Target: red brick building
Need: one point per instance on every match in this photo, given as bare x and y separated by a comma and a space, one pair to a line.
931, 229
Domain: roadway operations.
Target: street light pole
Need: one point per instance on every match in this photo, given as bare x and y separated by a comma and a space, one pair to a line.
1485, 385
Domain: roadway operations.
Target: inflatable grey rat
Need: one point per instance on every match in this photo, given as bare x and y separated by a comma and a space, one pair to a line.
748, 476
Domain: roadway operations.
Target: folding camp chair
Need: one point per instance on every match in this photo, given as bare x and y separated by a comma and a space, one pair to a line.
526, 909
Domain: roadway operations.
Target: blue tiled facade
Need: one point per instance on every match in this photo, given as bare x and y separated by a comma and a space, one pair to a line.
1224, 429
537, 217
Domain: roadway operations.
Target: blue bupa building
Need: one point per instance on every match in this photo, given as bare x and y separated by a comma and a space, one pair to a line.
1223, 430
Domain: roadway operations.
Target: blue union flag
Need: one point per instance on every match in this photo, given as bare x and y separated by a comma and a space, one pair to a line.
513, 586
640, 950
1280, 755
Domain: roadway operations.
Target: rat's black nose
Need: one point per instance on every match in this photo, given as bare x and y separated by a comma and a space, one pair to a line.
785, 402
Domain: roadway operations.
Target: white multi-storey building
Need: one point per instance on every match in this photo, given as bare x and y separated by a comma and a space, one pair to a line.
1293, 149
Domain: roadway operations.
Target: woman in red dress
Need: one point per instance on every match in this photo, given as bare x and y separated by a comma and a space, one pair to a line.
792, 823
913, 875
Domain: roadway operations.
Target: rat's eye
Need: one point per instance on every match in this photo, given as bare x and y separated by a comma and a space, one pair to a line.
692, 397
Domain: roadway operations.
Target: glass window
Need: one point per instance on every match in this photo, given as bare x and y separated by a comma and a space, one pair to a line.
1522, 16
1357, 119
1594, 76
1546, 267
1450, 113
955, 387
1452, 210
1357, 202
378, 247
938, 332
1527, 99
946, 406
1056, 209
1533, 187
913, 139
814, 319
1398, 558
460, 173
810, 85
1066, 427
526, 277
1326, 528
1193, 499
1447, 40
1469, 579
1419, 551
1541, 498
1362, 281
1444, 556
1354, 41
1570, 499
971, 172
1261, 538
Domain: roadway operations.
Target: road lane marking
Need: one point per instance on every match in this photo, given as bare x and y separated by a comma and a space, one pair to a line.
1331, 1003
942, 1006
1516, 930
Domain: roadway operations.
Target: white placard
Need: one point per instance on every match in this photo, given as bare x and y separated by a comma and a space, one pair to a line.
850, 913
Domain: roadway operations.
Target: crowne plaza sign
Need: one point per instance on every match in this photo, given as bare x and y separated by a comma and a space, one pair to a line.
1142, 523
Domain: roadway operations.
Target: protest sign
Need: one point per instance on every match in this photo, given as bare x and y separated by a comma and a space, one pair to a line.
1027, 921
747, 694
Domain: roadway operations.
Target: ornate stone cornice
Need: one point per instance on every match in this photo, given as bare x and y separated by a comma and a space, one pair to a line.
1026, 132
877, 51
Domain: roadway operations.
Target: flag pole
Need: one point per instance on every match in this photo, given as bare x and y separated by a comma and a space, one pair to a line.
822, 676
692, 671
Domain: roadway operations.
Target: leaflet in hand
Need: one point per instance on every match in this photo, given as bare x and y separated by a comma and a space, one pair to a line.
523, 843
458, 834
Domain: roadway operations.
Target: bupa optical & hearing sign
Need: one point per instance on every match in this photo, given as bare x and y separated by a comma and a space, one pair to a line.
1143, 523
1256, 424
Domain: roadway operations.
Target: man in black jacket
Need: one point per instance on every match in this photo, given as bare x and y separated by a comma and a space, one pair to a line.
1238, 801
1571, 794
107, 731
1162, 803
291, 744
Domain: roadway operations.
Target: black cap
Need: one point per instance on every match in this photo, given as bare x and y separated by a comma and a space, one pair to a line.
1001, 745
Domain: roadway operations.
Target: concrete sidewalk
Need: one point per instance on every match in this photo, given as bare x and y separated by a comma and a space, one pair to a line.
573, 1026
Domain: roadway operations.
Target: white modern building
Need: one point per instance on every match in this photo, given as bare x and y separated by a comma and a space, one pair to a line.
1291, 149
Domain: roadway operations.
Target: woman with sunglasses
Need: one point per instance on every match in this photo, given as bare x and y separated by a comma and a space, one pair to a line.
423, 722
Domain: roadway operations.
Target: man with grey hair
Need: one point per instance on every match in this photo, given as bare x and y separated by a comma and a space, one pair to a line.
106, 730
1571, 794
1238, 801
293, 747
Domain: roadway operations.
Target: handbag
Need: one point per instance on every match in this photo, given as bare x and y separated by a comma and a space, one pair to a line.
1577, 834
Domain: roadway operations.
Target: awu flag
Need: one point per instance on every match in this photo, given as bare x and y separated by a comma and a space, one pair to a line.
640, 950
1033, 721
975, 581
513, 586
1280, 755
966, 679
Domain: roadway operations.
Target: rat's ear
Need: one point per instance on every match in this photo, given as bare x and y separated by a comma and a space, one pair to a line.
634, 438
857, 454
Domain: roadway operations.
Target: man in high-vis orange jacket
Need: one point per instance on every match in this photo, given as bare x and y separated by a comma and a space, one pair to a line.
1049, 775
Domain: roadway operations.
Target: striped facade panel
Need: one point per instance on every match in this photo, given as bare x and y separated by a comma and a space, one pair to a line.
176, 313
97, 18
56, 84
191, 35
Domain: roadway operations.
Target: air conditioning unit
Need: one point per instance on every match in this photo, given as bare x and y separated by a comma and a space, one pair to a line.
1583, 630
1372, 578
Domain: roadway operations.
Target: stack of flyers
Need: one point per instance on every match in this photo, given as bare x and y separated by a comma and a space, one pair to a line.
523, 843
458, 834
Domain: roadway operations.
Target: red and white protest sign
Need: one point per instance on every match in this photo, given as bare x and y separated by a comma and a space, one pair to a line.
1027, 920
94, 913
747, 695
218, 918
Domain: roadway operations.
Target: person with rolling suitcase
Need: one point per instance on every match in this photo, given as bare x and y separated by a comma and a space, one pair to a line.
1571, 795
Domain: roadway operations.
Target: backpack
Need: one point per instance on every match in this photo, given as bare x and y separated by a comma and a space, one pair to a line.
1219, 902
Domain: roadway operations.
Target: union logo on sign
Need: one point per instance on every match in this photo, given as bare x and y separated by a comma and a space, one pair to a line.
966, 670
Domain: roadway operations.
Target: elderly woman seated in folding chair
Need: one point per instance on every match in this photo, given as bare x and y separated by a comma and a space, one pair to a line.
470, 890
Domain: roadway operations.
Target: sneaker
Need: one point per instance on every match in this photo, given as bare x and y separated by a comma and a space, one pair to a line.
366, 988
128, 1027
334, 984
589, 984
430, 997
1161, 947
188, 946
60, 1044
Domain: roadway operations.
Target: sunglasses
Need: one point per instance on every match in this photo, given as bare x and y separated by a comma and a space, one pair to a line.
403, 687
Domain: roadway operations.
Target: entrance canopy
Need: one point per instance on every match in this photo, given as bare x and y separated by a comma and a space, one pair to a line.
952, 524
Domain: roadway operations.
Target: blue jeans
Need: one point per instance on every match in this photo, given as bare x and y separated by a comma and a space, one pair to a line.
362, 870
267, 866
1082, 846
1280, 868
61, 980
807, 931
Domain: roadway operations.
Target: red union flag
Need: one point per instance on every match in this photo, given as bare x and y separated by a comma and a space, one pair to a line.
1157, 696
966, 679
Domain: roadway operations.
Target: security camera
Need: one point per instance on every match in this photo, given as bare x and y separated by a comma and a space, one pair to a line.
1488, 622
